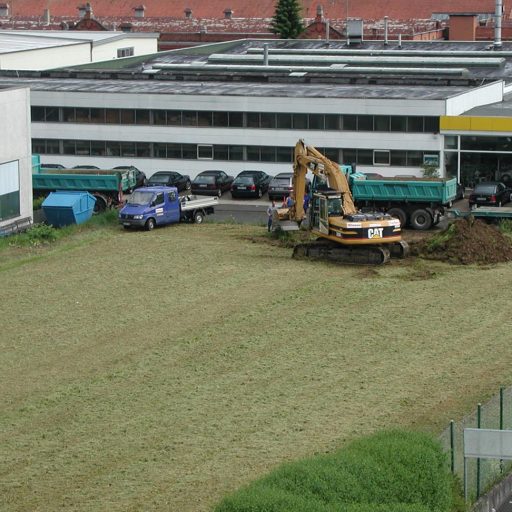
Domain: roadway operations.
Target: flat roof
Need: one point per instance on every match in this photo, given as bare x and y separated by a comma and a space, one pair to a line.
219, 88
13, 42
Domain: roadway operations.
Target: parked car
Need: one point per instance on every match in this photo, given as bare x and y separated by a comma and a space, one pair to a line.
250, 184
373, 175
52, 166
170, 179
280, 186
85, 167
141, 179
489, 193
211, 182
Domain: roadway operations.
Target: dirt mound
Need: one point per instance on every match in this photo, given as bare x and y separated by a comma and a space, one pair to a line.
467, 241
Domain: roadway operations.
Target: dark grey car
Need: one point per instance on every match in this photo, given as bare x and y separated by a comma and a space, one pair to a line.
281, 186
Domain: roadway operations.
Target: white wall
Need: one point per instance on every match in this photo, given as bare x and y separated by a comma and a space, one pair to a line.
47, 58
15, 142
485, 95
108, 51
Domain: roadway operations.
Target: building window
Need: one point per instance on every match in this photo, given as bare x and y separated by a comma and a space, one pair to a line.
204, 152
365, 123
125, 52
381, 157
189, 151
9, 190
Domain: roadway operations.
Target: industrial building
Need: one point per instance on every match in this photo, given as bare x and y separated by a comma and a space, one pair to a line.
388, 106
15, 160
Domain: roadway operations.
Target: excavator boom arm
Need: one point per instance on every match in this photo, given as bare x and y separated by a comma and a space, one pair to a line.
309, 158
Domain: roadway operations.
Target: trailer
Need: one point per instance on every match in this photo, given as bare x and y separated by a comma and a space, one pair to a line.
489, 214
107, 186
416, 202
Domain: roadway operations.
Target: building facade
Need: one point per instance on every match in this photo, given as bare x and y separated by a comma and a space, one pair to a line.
15, 159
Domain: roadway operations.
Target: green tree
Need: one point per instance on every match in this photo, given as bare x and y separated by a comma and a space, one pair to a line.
287, 22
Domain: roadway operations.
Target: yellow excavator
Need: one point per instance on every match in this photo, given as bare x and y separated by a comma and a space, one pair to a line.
345, 234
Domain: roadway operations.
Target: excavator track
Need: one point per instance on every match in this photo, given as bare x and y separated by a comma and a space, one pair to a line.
345, 254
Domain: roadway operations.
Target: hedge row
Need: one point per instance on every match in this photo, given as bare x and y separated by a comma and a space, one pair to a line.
388, 472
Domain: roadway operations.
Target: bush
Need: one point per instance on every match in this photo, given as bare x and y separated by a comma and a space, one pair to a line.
40, 234
391, 471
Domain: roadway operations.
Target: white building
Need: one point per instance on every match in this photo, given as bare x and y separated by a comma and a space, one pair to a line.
383, 107
49, 49
15, 159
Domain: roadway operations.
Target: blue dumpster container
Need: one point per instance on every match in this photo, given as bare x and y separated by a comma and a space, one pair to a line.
62, 208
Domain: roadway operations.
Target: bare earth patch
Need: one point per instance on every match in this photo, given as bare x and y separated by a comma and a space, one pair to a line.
162, 370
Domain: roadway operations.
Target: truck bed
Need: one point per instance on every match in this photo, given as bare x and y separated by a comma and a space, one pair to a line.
193, 202
413, 190
83, 179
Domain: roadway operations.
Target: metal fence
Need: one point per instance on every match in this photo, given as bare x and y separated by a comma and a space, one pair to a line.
481, 473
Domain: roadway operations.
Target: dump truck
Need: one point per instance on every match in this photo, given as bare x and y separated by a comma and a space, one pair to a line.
417, 202
107, 186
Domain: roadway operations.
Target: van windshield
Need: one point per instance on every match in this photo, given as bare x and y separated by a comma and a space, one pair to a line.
140, 197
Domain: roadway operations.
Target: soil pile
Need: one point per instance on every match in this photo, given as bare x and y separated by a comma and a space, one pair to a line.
467, 241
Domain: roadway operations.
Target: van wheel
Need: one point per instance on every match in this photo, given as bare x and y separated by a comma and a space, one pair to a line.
198, 218
150, 225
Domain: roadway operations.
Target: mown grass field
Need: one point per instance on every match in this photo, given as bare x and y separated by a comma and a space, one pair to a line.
162, 370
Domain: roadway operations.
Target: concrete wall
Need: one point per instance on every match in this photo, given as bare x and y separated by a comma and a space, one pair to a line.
15, 143
47, 58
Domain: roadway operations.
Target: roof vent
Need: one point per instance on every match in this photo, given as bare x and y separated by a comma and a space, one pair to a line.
188, 13
46, 17
126, 26
228, 13
319, 14
81, 10
354, 32
4, 9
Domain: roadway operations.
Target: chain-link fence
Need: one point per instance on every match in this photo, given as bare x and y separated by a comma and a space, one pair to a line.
481, 473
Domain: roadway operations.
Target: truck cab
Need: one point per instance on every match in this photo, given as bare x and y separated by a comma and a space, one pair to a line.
151, 206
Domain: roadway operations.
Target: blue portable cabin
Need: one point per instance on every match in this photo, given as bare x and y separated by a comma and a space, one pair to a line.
62, 208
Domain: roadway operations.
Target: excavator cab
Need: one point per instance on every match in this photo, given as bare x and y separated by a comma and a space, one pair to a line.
324, 205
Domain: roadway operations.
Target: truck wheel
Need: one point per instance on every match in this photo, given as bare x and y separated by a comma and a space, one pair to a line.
100, 205
150, 225
198, 217
421, 220
399, 214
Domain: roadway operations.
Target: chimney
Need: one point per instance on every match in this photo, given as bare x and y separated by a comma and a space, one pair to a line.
81, 11
319, 14
4, 9
386, 30
228, 13
188, 13
139, 11
88, 11
497, 26
46, 16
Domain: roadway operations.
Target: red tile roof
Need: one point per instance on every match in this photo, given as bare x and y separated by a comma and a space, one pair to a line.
366, 9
